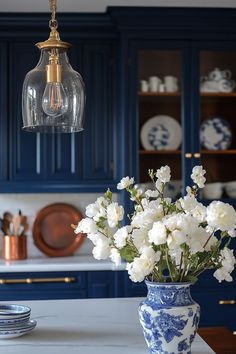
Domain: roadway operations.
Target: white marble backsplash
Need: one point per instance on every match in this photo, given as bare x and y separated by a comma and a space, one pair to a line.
30, 204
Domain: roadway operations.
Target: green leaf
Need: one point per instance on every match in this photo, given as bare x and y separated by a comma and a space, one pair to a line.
128, 253
108, 195
191, 278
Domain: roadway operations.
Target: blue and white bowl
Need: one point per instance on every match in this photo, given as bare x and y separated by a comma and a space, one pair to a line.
10, 314
215, 134
14, 331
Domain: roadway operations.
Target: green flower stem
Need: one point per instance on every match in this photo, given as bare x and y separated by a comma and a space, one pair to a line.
168, 264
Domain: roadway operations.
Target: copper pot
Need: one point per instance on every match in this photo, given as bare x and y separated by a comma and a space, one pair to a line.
14, 247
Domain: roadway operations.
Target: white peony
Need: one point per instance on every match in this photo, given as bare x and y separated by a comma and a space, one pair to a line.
163, 174
86, 226
120, 237
221, 216
125, 182
115, 213
198, 176
158, 233
115, 256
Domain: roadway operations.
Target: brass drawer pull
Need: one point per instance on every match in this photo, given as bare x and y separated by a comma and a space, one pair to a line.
197, 155
227, 302
38, 280
188, 155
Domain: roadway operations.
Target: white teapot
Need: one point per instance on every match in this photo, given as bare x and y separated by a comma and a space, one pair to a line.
217, 74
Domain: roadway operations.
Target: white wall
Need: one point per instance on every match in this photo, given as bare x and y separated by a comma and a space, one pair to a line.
30, 204
100, 5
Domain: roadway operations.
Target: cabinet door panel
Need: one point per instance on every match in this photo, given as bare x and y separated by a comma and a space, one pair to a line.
98, 141
25, 148
3, 112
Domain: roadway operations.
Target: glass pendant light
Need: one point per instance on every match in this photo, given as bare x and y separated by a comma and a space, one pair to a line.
53, 95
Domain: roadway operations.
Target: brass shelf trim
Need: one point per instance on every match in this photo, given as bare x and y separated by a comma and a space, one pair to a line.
38, 280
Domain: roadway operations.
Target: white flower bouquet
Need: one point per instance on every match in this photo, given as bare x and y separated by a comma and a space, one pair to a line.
165, 241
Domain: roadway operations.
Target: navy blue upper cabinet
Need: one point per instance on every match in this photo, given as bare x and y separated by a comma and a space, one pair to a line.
62, 162
3, 113
25, 150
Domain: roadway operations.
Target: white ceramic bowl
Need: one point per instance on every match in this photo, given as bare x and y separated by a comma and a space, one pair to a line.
230, 188
213, 190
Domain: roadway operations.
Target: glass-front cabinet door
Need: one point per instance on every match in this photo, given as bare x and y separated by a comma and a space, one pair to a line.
217, 120
160, 113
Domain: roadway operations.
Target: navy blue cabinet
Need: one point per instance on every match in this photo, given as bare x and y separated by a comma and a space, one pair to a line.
3, 112
62, 162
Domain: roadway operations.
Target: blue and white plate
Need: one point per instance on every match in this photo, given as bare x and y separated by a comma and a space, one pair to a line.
161, 133
215, 134
18, 330
11, 311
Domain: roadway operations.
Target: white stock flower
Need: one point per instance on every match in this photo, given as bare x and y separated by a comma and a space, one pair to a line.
163, 174
115, 213
115, 256
221, 216
120, 237
232, 233
86, 226
151, 193
102, 249
158, 233
97, 237
176, 238
198, 176
143, 265
97, 209
144, 219
221, 274
125, 182
140, 238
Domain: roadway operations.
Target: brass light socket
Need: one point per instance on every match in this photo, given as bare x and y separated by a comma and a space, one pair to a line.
53, 72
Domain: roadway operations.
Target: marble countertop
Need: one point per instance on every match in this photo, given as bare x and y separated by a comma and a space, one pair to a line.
101, 326
57, 264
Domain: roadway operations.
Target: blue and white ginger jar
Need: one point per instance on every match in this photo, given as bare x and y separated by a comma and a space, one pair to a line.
169, 318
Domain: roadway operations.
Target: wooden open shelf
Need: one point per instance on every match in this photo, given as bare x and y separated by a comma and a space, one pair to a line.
159, 94
218, 94
219, 152
159, 152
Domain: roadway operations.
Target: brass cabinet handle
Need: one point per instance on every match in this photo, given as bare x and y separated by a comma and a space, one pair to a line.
227, 302
197, 155
38, 280
188, 155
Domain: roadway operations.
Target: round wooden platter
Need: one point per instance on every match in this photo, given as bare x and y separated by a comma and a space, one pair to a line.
52, 231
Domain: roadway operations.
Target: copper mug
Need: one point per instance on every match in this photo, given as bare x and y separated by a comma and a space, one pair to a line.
14, 247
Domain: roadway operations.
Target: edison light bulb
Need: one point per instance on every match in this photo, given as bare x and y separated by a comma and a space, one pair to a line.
55, 101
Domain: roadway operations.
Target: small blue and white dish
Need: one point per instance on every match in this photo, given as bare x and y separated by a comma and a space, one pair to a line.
161, 133
215, 134
17, 330
13, 312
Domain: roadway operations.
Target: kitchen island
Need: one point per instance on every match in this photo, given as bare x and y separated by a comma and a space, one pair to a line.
101, 326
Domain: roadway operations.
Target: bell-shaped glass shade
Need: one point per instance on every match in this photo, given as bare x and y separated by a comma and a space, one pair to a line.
53, 107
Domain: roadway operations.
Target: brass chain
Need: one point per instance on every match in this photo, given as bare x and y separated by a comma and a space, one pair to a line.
53, 7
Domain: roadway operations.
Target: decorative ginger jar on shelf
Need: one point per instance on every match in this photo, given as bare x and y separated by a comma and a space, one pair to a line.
169, 317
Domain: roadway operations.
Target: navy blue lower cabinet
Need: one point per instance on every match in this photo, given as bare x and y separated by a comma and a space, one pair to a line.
43, 286
101, 284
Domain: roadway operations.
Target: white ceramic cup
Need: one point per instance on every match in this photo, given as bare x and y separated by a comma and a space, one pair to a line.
213, 190
230, 188
144, 86
171, 83
210, 86
154, 83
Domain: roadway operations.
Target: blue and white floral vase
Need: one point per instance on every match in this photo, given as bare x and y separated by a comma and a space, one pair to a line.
169, 317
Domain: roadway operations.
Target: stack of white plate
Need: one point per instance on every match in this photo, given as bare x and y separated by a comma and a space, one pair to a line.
15, 321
